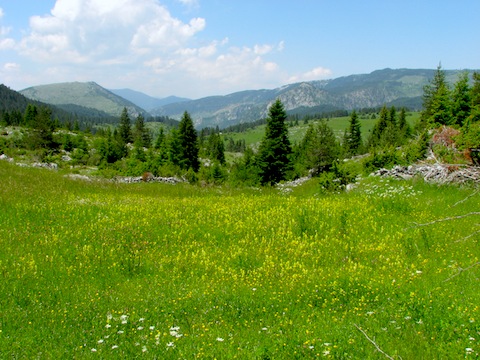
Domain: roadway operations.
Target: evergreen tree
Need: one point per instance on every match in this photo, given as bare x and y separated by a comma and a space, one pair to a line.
461, 106
275, 150
319, 148
125, 130
475, 99
353, 136
436, 101
174, 148
142, 134
160, 139
375, 139
43, 127
216, 148
187, 136
404, 130
31, 113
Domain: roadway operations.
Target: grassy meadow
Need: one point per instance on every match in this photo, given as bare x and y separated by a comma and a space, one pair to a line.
296, 133
102, 270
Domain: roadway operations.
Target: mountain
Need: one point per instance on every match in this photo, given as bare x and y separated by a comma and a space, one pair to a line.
73, 96
11, 100
398, 87
145, 101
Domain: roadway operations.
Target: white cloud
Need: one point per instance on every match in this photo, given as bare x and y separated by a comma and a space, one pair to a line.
317, 73
105, 31
5, 42
139, 44
11, 66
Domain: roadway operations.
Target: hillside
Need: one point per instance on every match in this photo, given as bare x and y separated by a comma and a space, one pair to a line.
401, 87
86, 95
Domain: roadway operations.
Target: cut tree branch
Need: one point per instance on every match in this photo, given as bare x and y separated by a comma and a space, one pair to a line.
374, 343
445, 219
468, 197
460, 270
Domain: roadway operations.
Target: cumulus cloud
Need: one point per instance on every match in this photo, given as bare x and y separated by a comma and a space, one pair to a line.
317, 73
104, 30
5, 42
141, 45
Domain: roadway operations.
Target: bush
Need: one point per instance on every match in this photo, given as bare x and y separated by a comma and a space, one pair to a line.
386, 158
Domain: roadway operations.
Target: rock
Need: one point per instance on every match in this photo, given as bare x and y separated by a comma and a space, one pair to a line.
78, 177
51, 166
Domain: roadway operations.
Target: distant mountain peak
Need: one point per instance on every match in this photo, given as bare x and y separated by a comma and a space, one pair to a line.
85, 94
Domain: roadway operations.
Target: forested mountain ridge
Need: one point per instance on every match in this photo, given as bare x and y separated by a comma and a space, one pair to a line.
399, 87
70, 95
391, 87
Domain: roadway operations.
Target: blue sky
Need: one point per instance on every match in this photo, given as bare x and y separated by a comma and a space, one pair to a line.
197, 48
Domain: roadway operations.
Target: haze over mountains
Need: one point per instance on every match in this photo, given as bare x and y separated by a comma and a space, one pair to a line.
399, 87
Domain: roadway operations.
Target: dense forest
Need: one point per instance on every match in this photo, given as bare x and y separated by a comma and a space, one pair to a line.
134, 147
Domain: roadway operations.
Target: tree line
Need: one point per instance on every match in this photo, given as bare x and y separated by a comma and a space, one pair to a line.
179, 149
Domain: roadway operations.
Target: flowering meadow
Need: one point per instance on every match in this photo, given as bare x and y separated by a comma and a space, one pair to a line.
98, 270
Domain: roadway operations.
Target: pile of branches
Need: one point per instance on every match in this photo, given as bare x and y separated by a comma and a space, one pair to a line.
437, 172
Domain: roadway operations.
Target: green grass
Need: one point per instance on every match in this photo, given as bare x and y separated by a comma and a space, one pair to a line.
169, 272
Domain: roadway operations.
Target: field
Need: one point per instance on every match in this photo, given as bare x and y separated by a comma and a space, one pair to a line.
338, 124
103, 270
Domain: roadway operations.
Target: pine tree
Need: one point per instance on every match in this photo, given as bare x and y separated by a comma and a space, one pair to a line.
188, 140
275, 150
42, 132
125, 130
436, 101
475, 99
353, 136
216, 148
404, 130
461, 106
375, 139
319, 148
141, 134
31, 113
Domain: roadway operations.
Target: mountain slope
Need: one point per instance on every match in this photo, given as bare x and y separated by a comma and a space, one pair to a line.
87, 95
400, 87
145, 101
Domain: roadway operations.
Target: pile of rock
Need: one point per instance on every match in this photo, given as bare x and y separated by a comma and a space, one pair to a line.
438, 173
6, 158
138, 179
51, 166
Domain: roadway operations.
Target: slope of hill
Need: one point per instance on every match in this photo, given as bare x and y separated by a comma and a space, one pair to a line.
11, 100
87, 95
145, 101
400, 87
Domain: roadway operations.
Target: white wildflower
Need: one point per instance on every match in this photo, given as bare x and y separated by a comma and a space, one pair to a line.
219, 339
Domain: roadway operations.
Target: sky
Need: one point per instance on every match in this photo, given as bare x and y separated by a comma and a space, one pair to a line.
199, 48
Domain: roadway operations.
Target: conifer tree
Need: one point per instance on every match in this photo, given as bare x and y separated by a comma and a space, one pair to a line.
141, 134
404, 130
375, 139
188, 139
319, 148
436, 101
216, 148
275, 150
461, 106
353, 136
125, 130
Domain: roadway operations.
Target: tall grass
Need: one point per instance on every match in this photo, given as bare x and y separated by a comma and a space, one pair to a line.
102, 270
